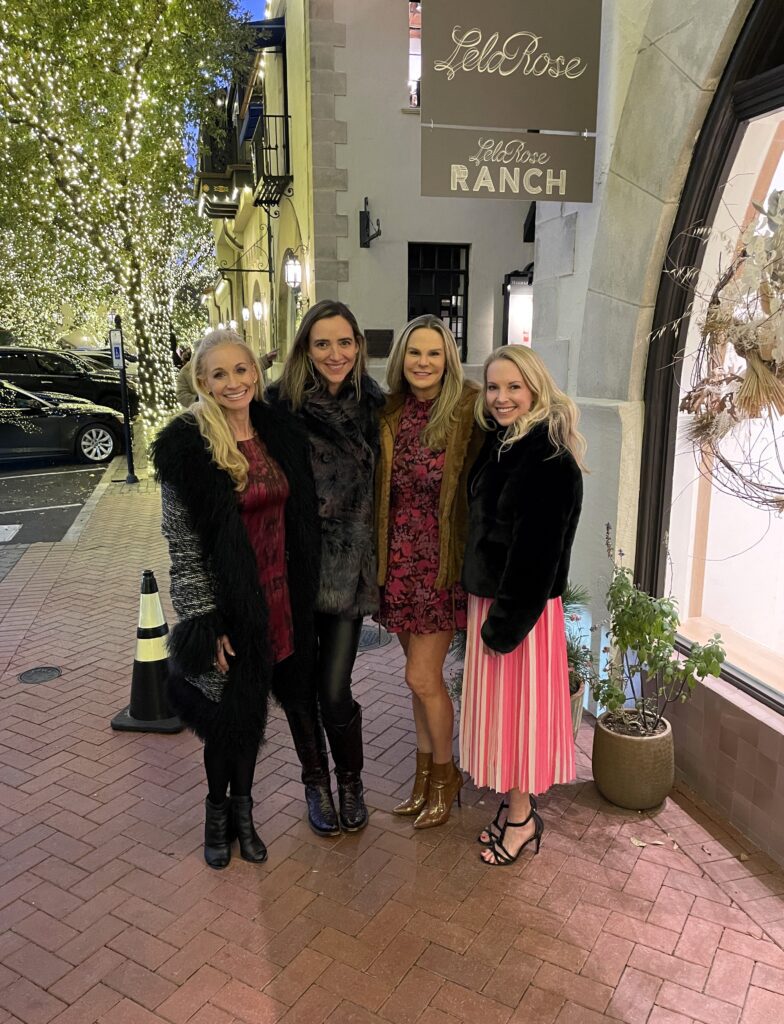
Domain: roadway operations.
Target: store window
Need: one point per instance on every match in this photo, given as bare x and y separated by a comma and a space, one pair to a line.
414, 52
726, 540
518, 292
438, 284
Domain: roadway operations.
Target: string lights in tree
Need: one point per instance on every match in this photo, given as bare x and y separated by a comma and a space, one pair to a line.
96, 175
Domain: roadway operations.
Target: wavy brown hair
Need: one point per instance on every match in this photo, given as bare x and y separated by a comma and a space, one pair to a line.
299, 378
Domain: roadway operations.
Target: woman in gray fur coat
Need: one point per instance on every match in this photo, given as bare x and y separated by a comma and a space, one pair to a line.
239, 513
325, 384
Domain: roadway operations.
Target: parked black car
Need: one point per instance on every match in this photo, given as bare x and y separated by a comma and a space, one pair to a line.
101, 358
48, 425
39, 369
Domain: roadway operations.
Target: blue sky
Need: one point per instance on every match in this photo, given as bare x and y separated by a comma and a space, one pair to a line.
255, 8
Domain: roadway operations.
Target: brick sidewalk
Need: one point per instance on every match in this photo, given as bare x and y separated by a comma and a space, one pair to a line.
108, 913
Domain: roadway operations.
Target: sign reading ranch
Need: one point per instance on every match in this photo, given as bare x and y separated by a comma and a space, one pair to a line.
511, 63
507, 165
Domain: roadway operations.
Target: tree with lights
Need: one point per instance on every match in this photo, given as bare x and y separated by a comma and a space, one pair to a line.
95, 102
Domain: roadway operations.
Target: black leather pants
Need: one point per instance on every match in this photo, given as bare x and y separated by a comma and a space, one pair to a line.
338, 640
332, 703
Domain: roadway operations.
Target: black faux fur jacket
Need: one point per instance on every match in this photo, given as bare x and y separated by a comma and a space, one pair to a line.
214, 581
344, 443
524, 504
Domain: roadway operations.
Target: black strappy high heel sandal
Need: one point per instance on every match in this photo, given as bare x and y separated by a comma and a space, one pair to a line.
496, 825
503, 858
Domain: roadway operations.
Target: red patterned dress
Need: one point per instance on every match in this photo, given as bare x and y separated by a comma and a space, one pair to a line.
410, 602
262, 507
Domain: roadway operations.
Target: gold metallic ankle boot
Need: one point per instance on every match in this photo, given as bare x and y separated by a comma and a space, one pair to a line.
421, 788
445, 783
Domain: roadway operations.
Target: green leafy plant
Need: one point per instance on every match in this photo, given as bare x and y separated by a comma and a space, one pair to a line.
645, 672
578, 654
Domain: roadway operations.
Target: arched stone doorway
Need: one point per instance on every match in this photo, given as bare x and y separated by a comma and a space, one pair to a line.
752, 85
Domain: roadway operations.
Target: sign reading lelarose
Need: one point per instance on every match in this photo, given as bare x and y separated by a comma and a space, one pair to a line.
511, 63
507, 165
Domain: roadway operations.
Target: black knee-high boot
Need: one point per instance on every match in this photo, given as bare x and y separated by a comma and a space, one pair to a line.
308, 736
345, 742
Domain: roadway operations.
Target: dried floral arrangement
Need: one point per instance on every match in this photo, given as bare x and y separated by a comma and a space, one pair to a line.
736, 392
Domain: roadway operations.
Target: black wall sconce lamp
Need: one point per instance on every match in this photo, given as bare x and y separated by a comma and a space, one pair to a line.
365, 224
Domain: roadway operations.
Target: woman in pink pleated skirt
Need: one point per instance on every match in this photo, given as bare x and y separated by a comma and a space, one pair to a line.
525, 495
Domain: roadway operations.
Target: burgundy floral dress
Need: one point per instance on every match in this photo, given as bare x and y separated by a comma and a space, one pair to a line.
262, 507
409, 601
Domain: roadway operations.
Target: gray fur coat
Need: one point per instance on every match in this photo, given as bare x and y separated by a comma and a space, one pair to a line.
344, 444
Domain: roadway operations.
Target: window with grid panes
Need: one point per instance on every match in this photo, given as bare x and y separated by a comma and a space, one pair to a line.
438, 284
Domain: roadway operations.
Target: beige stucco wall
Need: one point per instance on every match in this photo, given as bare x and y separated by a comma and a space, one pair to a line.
378, 151
598, 265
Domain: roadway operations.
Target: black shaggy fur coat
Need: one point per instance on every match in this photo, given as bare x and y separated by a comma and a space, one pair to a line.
524, 505
215, 587
344, 445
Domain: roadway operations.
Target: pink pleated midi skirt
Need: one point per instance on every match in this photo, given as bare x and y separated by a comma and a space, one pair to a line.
516, 721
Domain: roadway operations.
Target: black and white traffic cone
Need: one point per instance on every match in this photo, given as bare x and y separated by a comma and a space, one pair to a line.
149, 709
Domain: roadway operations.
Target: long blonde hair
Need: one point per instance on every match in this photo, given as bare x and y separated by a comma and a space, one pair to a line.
550, 405
209, 415
299, 378
443, 413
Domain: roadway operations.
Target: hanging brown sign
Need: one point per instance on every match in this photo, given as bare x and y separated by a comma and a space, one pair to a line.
511, 63
469, 164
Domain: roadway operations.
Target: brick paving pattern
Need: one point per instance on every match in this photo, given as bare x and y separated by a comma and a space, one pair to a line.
108, 912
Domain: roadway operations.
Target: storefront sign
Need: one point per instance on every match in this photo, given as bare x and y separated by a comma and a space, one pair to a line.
511, 63
507, 165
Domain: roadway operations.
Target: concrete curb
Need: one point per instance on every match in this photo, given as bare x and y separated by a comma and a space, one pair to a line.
83, 518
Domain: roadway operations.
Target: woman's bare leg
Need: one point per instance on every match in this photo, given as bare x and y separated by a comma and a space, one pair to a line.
424, 744
433, 709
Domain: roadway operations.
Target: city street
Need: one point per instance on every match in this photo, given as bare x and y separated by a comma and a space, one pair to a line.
40, 504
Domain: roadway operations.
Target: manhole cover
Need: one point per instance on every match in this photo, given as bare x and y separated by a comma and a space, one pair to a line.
42, 674
372, 637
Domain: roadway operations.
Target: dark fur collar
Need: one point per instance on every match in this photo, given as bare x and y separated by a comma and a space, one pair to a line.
180, 449
370, 392
535, 444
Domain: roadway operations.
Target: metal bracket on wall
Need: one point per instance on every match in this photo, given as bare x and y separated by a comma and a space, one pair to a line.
365, 236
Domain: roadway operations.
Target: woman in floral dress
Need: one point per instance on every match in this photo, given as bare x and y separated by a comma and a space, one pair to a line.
428, 440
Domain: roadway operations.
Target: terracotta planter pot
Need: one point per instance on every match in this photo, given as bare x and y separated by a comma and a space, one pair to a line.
636, 772
577, 708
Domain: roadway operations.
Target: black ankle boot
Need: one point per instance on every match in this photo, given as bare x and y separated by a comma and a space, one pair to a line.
251, 846
217, 834
308, 736
346, 744
353, 813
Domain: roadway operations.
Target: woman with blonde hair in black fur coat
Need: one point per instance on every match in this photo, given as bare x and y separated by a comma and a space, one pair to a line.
239, 513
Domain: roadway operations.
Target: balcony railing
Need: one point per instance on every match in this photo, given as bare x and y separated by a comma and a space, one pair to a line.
223, 172
271, 155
